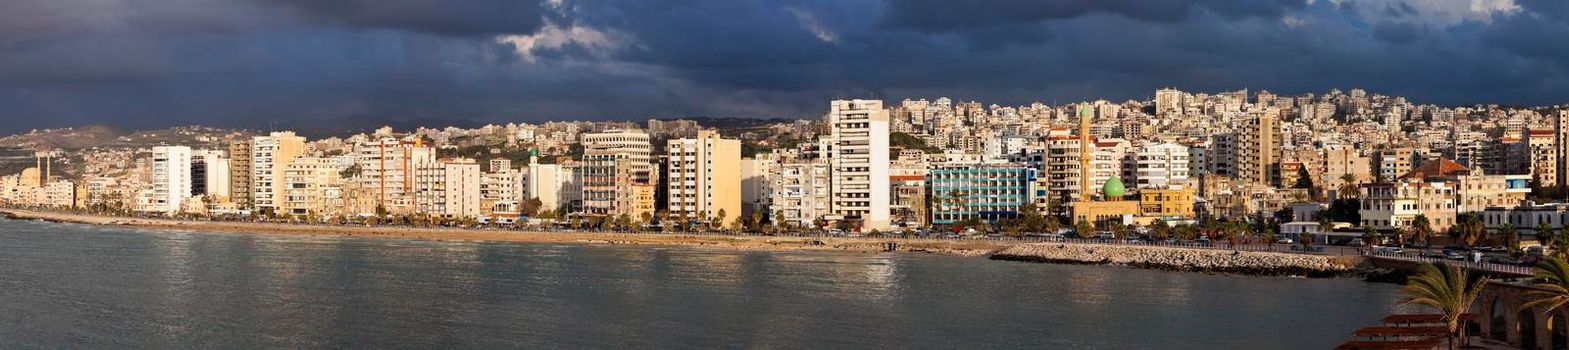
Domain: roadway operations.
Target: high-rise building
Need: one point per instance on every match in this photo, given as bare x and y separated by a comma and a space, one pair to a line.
210, 174
1561, 140
1258, 147
240, 173
171, 179
1160, 165
498, 189
386, 169
704, 177
617, 168
449, 189
547, 183
858, 160
1542, 157
270, 156
799, 192
755, 175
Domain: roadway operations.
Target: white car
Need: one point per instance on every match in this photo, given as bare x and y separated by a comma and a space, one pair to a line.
1286, 241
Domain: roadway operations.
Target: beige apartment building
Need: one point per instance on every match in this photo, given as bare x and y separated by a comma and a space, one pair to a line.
240, 190
1542, 158
1342, 161
1258, 147
270, 157
313, 186
858, 160
704, 177
1394, 162
386, 170
1389, 205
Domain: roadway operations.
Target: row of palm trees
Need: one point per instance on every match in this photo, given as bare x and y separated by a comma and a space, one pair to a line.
1452, 290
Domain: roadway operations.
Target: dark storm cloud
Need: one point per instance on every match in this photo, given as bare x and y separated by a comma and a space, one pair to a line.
940, 15
478, 17
251, 62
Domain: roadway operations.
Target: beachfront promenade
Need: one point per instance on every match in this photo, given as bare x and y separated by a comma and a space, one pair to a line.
1494, 268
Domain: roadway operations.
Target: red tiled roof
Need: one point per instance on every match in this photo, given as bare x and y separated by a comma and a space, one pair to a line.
1442, 167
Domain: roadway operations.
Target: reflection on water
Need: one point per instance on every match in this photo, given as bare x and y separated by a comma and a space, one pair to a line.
104, 287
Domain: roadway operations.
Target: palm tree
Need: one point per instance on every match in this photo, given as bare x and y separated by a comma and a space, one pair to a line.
1161, 229
1325, 224
1422, 228
1084, 229
1448, 289
1118, 230
1543, 232
1470, 229
1370, 236
1348, 186
1553, 289
1269, 239
1509, 236
1560, 247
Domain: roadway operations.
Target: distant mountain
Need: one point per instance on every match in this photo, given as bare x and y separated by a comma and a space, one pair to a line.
356, 124
65, 138
726, 123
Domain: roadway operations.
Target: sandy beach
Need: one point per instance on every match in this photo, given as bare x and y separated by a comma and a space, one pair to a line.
761, 243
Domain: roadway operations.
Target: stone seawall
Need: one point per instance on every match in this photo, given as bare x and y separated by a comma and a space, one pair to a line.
1186, 259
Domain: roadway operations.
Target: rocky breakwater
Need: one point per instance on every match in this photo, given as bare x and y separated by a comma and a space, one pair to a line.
1186, 259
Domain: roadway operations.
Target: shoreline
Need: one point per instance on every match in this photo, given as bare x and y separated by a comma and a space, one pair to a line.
1215, 261
963, 248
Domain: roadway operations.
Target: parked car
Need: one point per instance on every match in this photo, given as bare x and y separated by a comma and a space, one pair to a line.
1285, 241
1388, 250
1454, 255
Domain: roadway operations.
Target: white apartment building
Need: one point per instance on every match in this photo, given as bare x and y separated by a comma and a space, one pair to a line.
755, 175
498, 189
1062, 164
800, 192
59, 194
449, 189
1160, 165
210, 173
858, 161
171, 180
557, 186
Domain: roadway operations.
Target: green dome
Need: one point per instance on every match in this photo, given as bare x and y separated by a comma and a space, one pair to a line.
1113, 188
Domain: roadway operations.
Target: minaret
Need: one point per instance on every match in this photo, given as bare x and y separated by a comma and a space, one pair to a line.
1085, 152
